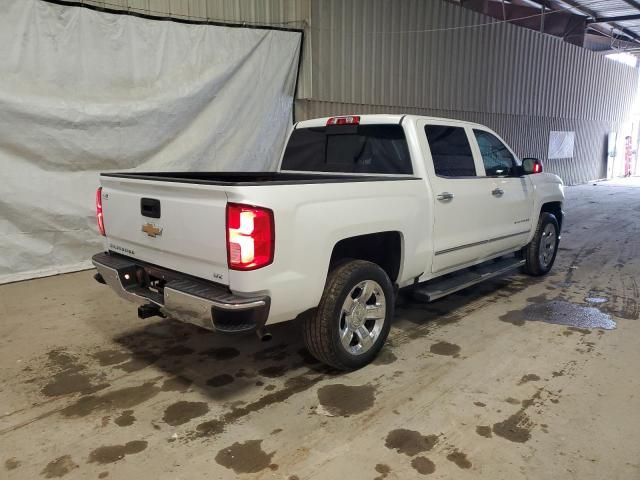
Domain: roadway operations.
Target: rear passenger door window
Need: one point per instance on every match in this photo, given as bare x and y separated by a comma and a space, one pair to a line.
498, 160
450, 151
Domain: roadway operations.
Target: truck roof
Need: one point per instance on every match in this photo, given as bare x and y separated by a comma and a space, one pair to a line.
381, 119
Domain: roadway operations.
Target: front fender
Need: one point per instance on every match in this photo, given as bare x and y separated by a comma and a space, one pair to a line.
547, 188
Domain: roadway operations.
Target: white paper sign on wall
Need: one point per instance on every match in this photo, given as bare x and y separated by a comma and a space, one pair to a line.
561, 145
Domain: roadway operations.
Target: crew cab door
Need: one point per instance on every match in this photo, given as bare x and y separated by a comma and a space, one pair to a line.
461, 198
509, 196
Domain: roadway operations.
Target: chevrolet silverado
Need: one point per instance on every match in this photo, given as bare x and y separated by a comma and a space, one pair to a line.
359, 207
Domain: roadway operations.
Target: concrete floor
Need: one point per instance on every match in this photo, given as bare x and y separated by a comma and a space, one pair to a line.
478, 385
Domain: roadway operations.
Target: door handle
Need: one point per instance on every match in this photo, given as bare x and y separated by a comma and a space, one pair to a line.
498, 192
444, 196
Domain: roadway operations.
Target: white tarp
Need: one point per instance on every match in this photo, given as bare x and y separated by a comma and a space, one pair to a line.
83, 92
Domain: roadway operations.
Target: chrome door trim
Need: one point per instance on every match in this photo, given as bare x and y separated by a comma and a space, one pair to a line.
469, 245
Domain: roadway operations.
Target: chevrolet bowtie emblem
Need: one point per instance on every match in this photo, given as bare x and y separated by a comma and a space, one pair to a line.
152, 230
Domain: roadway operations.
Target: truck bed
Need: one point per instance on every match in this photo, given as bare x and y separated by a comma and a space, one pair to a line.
254, 178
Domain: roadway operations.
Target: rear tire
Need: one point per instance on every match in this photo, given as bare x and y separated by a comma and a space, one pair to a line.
353, 319
540, 254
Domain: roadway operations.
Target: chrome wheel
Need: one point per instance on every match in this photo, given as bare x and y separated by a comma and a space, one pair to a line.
547, 246
362, 317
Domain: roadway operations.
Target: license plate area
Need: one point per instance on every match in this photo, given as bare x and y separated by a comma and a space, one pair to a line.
135, 279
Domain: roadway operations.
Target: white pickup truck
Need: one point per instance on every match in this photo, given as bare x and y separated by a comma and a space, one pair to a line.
360, 207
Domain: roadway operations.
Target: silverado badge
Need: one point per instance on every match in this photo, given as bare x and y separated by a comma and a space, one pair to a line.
152, 230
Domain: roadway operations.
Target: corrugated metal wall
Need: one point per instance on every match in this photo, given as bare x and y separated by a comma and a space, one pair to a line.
495, 69
519, 82
375, 56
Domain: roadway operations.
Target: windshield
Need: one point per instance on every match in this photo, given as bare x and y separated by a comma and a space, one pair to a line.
348, 149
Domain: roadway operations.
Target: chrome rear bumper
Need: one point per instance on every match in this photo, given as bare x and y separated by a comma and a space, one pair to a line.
180, 296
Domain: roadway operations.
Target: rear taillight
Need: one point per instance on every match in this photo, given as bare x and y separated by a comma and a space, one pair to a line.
99, 216
347, 120
250, 236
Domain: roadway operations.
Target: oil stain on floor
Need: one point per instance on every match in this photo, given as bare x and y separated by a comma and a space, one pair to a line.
292, 386
123, 398
246, 457
69, 376
113, 453
220, 380
460, 459
560, 312
529, 377
59, 467
346, 400
182, 412
125, 419
410, 442
423, 465
516, 428
445, 348
383, 470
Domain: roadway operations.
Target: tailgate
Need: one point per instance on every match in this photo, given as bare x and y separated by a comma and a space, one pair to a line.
179, 226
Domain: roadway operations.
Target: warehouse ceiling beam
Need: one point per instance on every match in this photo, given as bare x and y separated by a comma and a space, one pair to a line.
578, 6
619, 18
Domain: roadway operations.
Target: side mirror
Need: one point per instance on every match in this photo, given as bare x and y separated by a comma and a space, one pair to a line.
531, 165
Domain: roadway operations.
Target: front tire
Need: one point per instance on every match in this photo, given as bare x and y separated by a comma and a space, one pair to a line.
540, 254
352, 322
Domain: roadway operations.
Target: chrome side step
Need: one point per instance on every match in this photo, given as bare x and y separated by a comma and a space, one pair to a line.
441, 287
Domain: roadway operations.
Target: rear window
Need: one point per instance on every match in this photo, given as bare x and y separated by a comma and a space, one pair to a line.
348, 149
450, 151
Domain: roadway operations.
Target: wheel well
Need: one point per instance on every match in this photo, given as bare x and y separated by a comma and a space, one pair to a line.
556, 209
382, 248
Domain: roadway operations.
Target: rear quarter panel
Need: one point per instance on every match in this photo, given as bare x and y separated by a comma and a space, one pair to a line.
311, 218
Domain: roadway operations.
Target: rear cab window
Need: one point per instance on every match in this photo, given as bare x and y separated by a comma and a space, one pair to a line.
380, 149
